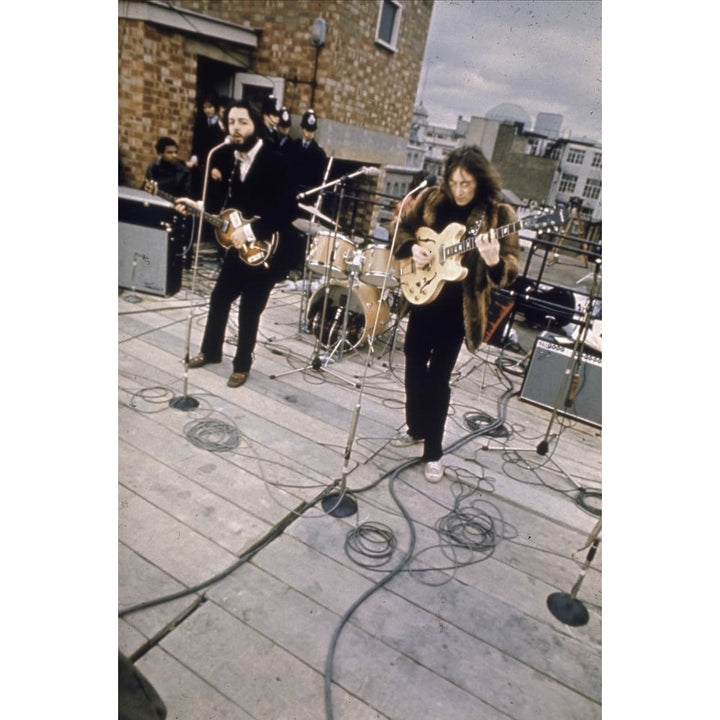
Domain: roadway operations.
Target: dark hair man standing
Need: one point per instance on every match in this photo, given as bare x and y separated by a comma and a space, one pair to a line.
256, 182
470, 195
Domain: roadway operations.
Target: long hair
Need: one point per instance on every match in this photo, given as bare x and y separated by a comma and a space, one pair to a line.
471, 159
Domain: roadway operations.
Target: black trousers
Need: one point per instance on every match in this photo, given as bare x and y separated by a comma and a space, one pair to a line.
253, 286
433, 338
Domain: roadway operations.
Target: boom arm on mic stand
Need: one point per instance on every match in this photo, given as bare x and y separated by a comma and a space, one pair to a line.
367, 170
185, 402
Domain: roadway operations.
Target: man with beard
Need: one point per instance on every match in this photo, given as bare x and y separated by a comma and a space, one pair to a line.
256, 181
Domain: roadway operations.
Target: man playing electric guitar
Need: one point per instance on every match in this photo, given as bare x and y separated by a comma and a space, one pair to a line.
469, 195
256, 181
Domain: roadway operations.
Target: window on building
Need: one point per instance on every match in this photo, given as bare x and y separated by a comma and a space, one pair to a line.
592, 189
576, 157
597, 160
568, 183
388, 24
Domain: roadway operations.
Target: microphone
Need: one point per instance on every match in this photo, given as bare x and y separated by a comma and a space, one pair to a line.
371, 171
227, 141
429, 181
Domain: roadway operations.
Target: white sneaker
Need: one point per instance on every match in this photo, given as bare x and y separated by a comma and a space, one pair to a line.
404, 439
434, 471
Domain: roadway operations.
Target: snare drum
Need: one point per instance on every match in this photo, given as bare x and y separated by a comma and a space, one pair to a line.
375, 265
364, 310
321, 254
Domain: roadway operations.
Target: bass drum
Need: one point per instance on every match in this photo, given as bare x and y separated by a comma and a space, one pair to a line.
364, 310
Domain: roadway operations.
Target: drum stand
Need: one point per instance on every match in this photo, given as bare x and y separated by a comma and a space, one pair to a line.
306, 282
316, 362
355, 265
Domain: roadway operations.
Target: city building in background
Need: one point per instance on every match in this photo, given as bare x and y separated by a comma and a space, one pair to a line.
358, 66
538, 166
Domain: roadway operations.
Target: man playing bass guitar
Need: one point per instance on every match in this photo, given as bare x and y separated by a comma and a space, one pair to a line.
470, 196
257, 184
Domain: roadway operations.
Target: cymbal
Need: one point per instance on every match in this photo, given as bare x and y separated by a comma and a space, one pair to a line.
316, 213
309, 227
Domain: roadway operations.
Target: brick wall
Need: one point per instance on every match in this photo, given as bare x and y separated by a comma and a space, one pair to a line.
156, 95
364, 94
358, 82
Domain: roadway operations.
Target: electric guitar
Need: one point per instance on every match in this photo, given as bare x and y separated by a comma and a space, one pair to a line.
421, 286
259, 252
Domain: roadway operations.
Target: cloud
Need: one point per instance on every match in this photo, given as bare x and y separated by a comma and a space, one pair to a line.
542, 55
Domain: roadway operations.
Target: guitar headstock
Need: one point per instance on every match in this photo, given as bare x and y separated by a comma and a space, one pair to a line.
150, 186
546, 220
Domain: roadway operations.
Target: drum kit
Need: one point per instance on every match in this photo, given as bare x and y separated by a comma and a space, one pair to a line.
356, 300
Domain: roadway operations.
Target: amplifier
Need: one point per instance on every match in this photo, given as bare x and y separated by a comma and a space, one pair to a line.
548, 374
149, 258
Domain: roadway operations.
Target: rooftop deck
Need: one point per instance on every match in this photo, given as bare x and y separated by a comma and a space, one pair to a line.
244, 592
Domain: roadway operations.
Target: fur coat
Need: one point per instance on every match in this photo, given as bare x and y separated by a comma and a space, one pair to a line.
481, 279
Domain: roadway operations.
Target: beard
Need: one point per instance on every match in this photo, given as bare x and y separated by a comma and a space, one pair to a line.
247, 143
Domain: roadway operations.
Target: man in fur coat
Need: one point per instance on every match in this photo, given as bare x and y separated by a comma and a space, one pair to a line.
438, 322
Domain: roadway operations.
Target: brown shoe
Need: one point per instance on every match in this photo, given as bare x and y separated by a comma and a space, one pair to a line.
197, 361
237, 379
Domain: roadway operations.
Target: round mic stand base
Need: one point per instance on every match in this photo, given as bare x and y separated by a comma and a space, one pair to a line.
567, 610
184, 402
339, 505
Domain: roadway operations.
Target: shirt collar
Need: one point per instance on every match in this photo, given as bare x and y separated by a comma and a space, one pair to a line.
249, 156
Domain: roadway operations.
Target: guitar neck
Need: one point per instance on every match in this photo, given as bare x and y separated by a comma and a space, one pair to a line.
213, 220
468, 240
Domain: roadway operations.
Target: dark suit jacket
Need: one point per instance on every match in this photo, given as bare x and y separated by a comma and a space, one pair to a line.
308, 164
268, 192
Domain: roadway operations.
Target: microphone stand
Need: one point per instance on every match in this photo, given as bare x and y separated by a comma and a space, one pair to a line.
332, 183
565, 606
184, 402
569, 386
133, 298
342, 504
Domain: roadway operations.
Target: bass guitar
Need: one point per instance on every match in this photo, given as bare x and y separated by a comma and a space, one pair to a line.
258, 252
421, 286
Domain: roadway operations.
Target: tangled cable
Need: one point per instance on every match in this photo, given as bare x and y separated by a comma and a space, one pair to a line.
469, 528
212, 435
372, 540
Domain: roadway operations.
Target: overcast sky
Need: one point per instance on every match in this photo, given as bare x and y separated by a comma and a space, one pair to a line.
543, 55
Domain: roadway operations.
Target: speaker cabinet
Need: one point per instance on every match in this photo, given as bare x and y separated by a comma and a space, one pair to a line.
149, 258
547, 375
